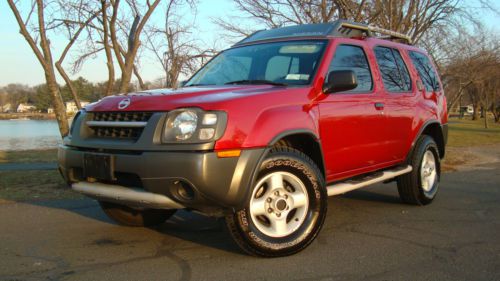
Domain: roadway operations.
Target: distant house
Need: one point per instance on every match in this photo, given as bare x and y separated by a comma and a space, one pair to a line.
6, 108
50, 110
25, 107
71, 106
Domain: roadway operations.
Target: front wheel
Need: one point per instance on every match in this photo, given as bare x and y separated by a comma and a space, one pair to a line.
421, 185
286, 209
129, 216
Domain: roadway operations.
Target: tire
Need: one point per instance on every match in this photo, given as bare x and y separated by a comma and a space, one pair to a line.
128, 216
286, 209
420, 186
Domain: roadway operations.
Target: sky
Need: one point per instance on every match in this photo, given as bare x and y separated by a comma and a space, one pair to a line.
19, 64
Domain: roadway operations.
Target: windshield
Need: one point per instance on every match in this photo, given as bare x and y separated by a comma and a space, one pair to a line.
280, 63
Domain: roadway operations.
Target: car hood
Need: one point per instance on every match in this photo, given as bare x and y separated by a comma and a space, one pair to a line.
205, 97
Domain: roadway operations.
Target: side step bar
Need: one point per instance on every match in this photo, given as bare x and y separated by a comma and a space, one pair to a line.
127, 196
343, 187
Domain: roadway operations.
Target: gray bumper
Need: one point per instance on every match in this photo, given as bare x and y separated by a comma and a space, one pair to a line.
216, 182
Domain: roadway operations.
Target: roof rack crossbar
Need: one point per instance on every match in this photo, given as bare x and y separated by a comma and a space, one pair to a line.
369, 29
339, 28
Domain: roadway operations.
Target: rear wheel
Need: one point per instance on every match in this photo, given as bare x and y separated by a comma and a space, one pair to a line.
129, 216
421, 185
286, 209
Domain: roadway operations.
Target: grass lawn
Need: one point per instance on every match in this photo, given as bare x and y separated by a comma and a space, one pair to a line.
34, 185
466, 133
28, 156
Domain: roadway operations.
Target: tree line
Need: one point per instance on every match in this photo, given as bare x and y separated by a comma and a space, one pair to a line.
12, 95
122, 30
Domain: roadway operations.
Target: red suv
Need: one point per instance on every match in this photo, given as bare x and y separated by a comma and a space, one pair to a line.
265, 132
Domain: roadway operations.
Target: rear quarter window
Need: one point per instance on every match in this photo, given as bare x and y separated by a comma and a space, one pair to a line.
425, 70
393, 70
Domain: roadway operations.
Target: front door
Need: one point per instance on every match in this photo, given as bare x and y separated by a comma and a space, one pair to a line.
352, 122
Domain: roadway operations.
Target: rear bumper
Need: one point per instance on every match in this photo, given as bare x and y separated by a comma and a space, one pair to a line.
214, 182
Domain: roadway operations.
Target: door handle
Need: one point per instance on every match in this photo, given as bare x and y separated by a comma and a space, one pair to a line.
379, 105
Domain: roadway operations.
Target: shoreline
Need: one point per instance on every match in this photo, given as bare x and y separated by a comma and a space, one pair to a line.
27, 116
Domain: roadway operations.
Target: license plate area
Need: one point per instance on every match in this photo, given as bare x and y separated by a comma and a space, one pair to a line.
99, 166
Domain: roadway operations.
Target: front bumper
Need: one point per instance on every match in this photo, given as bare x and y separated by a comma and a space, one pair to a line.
215, 182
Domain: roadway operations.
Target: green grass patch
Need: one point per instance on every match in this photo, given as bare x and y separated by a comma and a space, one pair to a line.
34, 185
28, 156
466, 133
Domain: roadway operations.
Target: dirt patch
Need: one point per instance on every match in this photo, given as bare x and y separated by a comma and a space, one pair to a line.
470, 158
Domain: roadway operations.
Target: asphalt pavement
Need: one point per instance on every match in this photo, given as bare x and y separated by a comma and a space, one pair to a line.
368, 235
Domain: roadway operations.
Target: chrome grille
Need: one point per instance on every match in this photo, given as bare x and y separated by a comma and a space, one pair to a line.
118, 125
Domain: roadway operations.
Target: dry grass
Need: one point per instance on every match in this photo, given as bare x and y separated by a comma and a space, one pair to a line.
28, 156
463, 136
33, 185
466, 133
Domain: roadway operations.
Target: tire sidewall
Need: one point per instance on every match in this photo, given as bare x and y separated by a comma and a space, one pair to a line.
314, 183
427, 144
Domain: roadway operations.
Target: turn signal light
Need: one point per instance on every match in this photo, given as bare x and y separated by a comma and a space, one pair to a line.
228, 153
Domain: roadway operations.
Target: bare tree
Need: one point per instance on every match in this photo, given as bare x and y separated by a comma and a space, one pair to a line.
413, 17
119, 37
73, 24
43, 53
126, 56
174, 47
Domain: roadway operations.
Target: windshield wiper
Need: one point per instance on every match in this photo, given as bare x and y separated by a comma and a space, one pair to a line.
194, 85
256, 82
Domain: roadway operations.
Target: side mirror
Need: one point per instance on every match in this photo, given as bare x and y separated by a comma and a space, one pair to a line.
182, 83
339, 81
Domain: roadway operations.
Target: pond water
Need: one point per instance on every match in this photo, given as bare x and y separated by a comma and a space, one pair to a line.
29, 134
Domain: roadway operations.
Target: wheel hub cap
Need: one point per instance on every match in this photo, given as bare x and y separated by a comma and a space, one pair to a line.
279, 204
428, 174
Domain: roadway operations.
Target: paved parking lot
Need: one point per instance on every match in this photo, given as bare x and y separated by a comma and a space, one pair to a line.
368, 234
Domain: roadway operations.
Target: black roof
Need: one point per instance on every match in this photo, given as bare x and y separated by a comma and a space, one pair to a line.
339, 28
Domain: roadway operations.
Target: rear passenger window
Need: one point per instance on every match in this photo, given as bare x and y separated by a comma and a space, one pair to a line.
349, 57
425, 70
393, 70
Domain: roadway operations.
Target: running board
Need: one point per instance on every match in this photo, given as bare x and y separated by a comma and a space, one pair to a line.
124, 195
343, 187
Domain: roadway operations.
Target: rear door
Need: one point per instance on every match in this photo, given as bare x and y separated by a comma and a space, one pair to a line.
399, 103
350, 122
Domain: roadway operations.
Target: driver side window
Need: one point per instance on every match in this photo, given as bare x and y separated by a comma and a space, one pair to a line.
350, 57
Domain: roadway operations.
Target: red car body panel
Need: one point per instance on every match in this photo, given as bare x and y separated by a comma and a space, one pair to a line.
356, 137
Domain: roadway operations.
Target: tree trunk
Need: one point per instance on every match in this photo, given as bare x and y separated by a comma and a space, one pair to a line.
139, 78
57, 102
475, 114
72, 89
44, 56
126, 77
107, 49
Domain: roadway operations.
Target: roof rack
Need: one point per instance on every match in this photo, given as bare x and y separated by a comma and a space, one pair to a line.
347, 26
339, 28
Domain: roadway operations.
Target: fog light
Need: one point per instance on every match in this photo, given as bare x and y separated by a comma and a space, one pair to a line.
207, 133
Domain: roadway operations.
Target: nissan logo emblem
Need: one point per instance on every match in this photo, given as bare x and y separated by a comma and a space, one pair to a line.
124, 103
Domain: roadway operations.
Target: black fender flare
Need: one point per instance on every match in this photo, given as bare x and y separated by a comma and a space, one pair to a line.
268, 148
444, 133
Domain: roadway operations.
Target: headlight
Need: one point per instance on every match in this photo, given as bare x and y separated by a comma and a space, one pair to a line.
184, 125
193, 125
